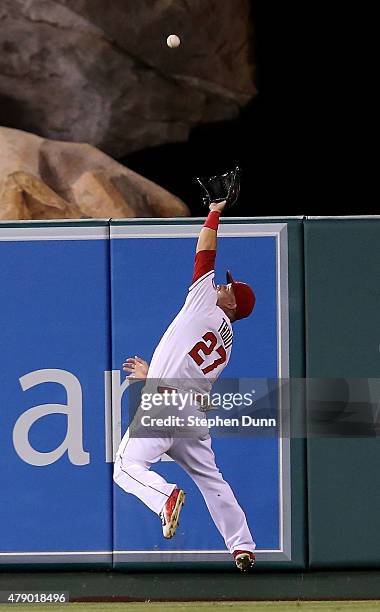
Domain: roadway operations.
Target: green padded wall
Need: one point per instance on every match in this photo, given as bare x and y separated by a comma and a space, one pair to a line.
342, 288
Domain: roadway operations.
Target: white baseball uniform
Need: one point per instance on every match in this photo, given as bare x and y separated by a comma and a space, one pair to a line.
193, 351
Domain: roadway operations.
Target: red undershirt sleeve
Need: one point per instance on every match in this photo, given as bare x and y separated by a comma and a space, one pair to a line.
204, 262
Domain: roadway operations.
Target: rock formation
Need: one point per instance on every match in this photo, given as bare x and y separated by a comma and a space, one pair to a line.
45, 179
100, 72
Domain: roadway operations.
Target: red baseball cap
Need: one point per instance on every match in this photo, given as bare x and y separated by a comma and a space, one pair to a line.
244, 295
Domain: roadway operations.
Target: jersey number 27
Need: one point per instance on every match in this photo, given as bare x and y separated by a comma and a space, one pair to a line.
206, 347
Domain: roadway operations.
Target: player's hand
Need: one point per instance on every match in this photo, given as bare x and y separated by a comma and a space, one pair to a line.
218, 206
137, 368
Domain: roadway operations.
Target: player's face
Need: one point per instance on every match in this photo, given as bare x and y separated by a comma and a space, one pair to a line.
226, 297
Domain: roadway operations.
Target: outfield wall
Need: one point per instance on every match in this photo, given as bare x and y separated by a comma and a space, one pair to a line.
79, 297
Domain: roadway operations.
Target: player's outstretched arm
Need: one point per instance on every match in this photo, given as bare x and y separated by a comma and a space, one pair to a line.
206, 245
208, 234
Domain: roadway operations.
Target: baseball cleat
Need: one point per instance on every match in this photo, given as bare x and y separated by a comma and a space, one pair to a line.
244, 559
170, 513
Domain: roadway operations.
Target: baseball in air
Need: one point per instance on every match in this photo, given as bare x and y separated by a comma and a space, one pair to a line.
173, 41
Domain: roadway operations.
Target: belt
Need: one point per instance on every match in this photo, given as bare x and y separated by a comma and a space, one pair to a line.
169, 389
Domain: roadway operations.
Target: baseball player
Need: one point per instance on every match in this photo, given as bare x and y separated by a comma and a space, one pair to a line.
196, 347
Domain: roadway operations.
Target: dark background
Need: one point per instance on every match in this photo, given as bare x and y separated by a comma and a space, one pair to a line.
264, 140
297, 141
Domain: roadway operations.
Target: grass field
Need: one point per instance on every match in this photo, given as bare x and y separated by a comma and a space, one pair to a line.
202, 606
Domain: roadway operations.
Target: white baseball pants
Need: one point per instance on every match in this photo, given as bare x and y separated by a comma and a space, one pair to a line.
132, 473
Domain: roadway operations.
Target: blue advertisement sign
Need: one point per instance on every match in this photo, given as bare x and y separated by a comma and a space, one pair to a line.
76, 301
56, 501
152, 268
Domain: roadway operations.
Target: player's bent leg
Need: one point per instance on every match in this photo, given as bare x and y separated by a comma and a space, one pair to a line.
133, 474
198, 460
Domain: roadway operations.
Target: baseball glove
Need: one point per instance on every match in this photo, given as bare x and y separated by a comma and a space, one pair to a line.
221, 187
